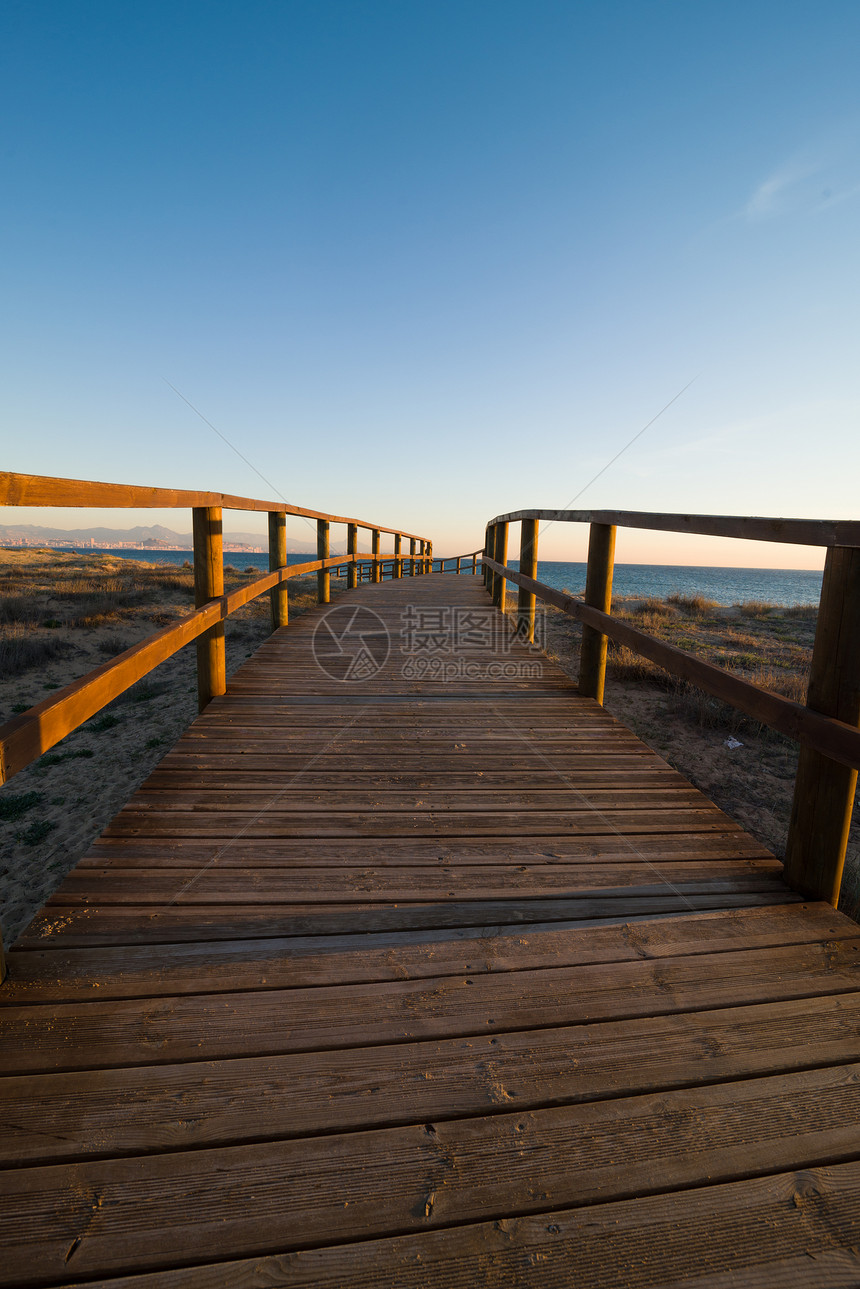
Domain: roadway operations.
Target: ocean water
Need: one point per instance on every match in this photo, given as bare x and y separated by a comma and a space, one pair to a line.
725, 585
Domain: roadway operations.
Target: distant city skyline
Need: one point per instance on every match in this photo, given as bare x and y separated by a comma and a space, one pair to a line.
427, 263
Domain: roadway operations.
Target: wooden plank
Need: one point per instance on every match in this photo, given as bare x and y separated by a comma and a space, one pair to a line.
681, 848
261, 776
211, 885
113, 924
86, 1218
53, 1117
273, 823
203, 1026
60, 974
559, 798
795, 532
45, 490
763, 1233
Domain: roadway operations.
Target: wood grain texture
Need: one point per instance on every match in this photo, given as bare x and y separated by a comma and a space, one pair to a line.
764, 1233
428, 978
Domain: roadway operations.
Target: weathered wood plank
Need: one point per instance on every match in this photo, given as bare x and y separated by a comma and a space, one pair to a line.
681, 848
87, 1218
133, 1032
117, 924
792, 1228
210, 885
52, 1117
62, 975
273, 822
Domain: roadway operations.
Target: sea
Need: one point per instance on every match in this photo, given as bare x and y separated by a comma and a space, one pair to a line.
723, 585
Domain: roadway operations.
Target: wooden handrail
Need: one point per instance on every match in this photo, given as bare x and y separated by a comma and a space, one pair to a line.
26, 737
792, 532
44, 490
827, 727
833, 738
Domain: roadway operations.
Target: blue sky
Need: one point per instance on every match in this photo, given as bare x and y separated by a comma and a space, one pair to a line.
426, 262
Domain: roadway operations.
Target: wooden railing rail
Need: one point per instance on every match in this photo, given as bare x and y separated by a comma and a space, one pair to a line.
43, 490
26, 737
473, 557
827, 727
792, 532
33, 732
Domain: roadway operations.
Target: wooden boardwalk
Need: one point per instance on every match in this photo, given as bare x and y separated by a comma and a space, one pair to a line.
427, 979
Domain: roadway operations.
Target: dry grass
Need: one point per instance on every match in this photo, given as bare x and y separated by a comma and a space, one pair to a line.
696, 606
21, 649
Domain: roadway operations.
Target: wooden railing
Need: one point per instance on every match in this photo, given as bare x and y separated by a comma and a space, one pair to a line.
826, 727
28, 735
472, 560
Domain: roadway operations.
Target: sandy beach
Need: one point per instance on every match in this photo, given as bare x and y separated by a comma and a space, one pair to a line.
64, 614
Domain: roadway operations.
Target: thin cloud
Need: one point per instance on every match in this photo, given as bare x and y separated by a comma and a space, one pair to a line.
777, 193
810, 181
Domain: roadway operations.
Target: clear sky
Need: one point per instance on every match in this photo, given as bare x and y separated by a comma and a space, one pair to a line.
426, 261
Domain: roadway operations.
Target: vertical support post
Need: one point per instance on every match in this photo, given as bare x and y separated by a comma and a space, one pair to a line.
459, 557
419, 563
528, 567
278, 559
824, 789
500, 584
429, 549
475, 564
208, 584
323, 574
352, 549
397, 571
489, 548
598, 593
411, 556
377, 566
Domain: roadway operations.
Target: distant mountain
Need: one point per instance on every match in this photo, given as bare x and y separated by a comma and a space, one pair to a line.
151, 535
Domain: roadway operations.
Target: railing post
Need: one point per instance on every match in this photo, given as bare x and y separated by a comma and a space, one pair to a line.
278, 559
352, 549
377, 567
489, 550
500, 585
528, 567
598, 593
208, 584
397, 571
824, 789
411, 556
459, 557
323, 574
475, 564
429, 549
